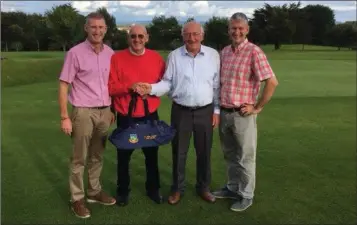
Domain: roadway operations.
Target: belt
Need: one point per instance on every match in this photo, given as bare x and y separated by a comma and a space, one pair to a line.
193, 107
100, 107
236, 109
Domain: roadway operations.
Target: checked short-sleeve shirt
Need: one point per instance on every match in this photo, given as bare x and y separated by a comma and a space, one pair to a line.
242, 71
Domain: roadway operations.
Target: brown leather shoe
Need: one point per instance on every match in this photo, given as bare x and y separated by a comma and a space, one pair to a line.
207, 196
80, 210
174, 198
101, 198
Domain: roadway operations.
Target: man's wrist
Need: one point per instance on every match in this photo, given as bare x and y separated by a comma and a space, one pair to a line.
64, 118
152, 90
258, 107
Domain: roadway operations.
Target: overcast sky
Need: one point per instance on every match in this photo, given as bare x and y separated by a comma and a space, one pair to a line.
131, 11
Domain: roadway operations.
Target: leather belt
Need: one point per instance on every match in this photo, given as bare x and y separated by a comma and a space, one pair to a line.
100, 107
192, 107
236, 109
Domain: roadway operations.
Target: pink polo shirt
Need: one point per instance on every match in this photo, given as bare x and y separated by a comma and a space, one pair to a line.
88, 74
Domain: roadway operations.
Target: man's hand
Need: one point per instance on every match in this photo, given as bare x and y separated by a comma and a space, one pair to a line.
66, 126
141, 88
215, 120
248, 109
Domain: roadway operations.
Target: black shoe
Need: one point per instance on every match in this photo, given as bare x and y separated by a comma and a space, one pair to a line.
122, 200
156, 197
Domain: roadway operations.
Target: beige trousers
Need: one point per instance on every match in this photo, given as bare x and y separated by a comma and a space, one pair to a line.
89, 134
238, 136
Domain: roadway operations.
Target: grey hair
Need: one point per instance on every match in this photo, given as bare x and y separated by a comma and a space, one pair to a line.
183, 27
240, 16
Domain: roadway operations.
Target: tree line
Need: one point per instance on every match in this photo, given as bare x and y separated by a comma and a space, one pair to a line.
61, 27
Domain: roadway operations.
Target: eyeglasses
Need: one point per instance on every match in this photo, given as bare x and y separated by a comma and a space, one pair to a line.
133, 36
194, 34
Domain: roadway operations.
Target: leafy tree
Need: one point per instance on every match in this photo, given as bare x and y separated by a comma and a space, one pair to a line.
16, 33
112, 30
258, 32
62, 27
322, 19
163, 31
120, 40
343, 35
37, 32
66, 24
8, 19
216, 32
278, 22
303, 34
256, 35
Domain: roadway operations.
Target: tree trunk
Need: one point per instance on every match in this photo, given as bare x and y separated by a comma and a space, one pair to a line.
38, 45
6, 48
276, 46
303, 47
64, 47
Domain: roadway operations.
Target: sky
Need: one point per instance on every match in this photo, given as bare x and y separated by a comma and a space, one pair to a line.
136, 11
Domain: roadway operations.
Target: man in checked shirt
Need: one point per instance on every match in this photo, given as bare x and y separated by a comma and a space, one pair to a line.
243, 67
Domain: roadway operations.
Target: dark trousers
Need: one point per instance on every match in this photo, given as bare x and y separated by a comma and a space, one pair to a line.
199, 122
152, 183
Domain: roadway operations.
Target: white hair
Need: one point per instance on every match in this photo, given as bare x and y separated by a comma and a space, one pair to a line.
184, 26
137, 26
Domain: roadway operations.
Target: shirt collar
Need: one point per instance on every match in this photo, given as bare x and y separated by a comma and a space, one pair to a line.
240, 46
132, 52
185, 52
91, 46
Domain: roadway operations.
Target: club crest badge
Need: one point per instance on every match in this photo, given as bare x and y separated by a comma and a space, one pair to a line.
133, 138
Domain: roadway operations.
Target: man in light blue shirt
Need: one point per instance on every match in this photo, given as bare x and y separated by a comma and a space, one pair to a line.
192, 82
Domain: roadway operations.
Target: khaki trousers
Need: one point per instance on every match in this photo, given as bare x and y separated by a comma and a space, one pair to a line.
89, 134
238, 136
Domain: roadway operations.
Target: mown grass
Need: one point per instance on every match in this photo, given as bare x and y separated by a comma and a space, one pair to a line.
306, 167
33, 67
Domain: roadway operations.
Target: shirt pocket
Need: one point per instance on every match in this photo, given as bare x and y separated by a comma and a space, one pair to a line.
240, 70
184, 72
88, 72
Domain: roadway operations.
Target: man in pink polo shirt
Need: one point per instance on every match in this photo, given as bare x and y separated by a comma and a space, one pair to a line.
86, 69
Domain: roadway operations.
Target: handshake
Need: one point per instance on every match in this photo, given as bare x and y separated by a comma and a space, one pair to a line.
142, 89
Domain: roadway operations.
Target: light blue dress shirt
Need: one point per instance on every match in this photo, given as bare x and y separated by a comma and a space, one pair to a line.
191, 81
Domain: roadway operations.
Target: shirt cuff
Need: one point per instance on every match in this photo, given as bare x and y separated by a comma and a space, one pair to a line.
216, 110
153, 89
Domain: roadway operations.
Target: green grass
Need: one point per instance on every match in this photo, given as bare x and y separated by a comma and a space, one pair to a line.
34, 67
306, 161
